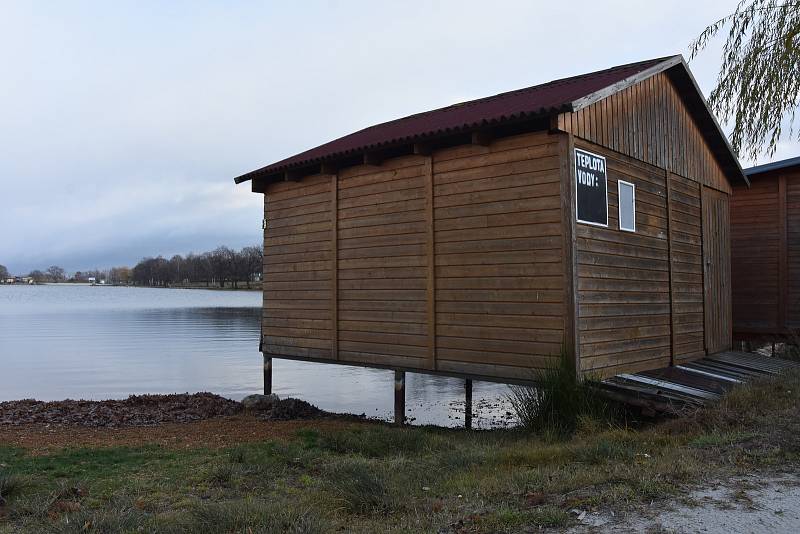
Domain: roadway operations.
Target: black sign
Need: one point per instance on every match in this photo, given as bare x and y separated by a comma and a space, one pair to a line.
591, 188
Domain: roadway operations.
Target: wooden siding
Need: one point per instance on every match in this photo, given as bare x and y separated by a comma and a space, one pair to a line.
790, 257
649, 122
716, 275
623, 277
297, 269
382, 263
687, 269
755, 243
451, 262
765, 236
498, 246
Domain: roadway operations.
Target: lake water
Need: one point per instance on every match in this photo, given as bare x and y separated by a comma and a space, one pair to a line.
71, 341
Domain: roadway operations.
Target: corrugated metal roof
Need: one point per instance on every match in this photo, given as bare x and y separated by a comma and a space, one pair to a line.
552, 97
774, 166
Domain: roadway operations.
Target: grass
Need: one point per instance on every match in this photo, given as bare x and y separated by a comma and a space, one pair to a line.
561, 402
373, 477
10, 485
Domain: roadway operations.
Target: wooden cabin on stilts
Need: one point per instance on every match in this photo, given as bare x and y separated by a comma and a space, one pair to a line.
586, 217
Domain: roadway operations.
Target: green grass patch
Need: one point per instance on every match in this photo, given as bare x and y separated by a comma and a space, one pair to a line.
720, 439
360, 486
378, 441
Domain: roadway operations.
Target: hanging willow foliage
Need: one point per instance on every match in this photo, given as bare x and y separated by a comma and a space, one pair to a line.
758, 86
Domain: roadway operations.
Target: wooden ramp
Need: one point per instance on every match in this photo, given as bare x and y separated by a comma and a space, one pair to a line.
690, 385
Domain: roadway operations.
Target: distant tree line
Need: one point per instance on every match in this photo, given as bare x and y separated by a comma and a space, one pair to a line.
221, 267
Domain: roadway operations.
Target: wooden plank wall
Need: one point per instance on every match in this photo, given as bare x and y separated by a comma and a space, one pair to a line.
451, 262
765, 235
499, 260
382, 263
624, 277
791, 256
716, 252
755, 244
687, 269
298, 269
649, 122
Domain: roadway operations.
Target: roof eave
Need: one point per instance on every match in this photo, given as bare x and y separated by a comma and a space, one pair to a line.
734, 159
773, 166
466, 128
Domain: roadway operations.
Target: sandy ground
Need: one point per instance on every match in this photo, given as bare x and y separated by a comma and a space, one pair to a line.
752, 504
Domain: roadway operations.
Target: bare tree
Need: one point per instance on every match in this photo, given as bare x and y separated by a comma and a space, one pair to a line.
119, 275
222, 261
176, 269
3, 272
56, 273
252, 263
758, 85
37, 275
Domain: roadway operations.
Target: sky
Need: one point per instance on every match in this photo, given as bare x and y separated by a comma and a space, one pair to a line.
123, 124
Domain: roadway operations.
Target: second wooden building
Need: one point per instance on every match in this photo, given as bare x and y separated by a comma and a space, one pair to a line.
765, 231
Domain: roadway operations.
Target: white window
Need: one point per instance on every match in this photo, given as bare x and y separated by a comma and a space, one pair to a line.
627, 206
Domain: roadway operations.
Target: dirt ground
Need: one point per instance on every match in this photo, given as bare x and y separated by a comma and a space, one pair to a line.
218, 432
745, 504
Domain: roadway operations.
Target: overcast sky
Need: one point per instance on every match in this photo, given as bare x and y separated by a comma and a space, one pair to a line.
122, 124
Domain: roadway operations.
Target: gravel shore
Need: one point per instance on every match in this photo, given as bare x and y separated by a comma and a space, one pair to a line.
143, 410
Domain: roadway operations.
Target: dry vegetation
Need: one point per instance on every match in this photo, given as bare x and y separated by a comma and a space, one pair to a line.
371, 477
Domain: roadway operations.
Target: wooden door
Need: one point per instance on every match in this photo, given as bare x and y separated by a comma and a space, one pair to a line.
716, 270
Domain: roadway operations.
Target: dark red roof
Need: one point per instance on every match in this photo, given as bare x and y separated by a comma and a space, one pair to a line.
552, 97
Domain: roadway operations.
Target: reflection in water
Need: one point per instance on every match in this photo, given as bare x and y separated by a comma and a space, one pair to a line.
85, 342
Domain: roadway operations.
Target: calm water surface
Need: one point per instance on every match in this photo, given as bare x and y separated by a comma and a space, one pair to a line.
68, 341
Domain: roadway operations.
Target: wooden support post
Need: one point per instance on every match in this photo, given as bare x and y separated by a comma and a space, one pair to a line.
399, 397
566, 143
267, 375
468, 404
